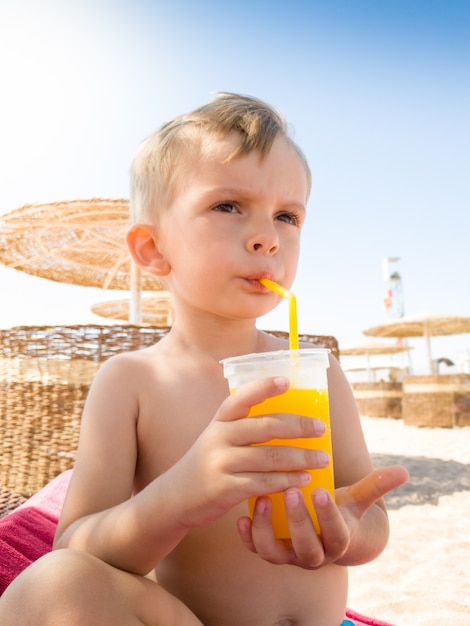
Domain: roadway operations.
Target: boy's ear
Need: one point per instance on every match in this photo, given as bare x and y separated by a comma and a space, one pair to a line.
142, 241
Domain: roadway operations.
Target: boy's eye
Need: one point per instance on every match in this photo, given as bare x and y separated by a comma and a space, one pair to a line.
289, 218
225, 207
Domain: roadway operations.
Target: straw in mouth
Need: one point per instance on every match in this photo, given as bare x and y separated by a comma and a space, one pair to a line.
285, 293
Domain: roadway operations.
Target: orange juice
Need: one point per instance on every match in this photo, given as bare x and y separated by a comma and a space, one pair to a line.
306, 370
311, 403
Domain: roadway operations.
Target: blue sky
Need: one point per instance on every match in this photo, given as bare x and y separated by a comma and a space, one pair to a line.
377, 93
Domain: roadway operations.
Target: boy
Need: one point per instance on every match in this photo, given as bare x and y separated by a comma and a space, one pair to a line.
165, 461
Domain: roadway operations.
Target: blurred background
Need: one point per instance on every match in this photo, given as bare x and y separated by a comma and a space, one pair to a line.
377, 95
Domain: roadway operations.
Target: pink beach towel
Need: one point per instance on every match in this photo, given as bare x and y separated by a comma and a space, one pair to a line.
363, 620
28, 532
24, 536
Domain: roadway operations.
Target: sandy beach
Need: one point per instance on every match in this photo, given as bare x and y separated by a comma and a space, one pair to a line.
421, 579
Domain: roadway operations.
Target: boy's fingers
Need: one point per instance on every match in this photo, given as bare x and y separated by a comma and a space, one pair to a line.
375, 485
262, 535
238, 404
266, 458
334, 531
265, 428
262, 483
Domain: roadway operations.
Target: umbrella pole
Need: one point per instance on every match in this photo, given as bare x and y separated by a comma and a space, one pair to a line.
135, 302
369, 372
428, 348
409, 367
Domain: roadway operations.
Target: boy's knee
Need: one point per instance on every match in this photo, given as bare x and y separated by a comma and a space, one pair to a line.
72, 587
57, 568
45, 571
42, 586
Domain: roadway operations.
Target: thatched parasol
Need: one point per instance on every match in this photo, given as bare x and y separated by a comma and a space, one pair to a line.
425, 325
391, 365
81, 242
155, 310
371, 348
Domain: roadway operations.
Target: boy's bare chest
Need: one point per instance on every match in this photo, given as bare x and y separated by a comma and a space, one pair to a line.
173, 417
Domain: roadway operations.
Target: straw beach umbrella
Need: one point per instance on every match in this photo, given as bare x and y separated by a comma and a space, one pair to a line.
391, 366
156, 310
425, 325
371, 348
80, 242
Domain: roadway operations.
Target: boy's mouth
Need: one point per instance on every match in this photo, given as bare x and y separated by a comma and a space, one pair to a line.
254, 282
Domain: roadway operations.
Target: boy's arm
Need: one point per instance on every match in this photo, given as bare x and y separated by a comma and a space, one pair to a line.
221, 469
100, 515
352, 464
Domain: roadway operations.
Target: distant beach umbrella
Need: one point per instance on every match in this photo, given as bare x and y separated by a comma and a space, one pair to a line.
371, 348
425, 325
156, 310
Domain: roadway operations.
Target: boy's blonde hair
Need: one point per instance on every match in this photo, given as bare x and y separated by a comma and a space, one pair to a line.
155, 166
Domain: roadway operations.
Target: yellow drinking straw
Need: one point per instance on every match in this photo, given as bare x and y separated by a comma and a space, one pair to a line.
285, 293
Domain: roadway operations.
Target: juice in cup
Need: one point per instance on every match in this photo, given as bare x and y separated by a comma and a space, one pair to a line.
307, 395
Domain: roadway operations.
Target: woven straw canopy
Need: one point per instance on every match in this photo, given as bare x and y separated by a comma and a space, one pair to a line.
373, 347
370, 349
81, 242
155, 310
421, 325
382, 366
425, 325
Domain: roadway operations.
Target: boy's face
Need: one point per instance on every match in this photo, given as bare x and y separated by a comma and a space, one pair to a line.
231, 223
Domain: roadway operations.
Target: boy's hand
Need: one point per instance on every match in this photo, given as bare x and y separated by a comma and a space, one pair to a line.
222, 468
338, 522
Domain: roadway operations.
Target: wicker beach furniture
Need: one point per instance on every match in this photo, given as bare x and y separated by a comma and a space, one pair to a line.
441, 400
379, 399
9, 501
45, 375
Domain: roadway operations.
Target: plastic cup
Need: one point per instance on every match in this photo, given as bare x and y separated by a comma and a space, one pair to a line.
307, 395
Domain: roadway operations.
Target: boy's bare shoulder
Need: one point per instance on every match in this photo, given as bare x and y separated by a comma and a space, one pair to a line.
143, 355
130, 365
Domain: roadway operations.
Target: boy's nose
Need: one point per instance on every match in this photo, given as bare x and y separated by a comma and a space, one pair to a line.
266, 242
